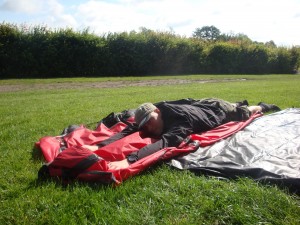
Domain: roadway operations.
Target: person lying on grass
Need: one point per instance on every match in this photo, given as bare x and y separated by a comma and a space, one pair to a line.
172, 121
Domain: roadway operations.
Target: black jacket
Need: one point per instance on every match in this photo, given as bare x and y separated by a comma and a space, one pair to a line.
181, 118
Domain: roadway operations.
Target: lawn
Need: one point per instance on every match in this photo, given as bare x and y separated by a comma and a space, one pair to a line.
31, 109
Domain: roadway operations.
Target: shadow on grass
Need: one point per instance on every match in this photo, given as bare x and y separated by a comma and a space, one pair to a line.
67, 186
36, 154
290, 186
44, 178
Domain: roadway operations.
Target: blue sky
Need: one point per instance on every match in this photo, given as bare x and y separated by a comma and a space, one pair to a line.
260, 20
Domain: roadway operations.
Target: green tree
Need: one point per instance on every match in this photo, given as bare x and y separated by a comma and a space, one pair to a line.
235, 38
207, 33
271, 44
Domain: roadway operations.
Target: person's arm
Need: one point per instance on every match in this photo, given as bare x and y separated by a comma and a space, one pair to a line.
91, 147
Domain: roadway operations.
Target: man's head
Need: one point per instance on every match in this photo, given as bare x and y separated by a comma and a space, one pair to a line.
148, 119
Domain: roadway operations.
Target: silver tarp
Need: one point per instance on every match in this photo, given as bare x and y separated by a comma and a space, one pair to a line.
266, 150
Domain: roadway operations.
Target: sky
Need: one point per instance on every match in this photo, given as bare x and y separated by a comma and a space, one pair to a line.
260, 20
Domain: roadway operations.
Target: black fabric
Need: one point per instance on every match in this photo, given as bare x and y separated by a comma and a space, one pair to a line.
267, 150
71, 173
70, 129
114, 118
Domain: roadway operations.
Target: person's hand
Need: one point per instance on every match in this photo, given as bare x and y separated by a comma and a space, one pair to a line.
90, 147
118, 164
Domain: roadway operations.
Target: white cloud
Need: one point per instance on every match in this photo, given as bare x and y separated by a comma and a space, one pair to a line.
127, 15
57, 16
262, 20
49, 12
26, 6
104, 16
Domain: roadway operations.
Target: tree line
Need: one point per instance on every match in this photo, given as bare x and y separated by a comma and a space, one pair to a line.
42, 52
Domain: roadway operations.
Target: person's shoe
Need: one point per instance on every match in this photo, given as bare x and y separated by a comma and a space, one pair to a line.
245, 102
268, 107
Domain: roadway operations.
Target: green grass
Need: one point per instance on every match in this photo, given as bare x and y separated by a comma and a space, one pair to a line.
160, 195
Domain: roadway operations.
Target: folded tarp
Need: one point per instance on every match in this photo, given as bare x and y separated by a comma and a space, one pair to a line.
67, 159
267, 150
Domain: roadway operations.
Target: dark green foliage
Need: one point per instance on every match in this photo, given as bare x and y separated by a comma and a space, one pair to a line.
207, 33
287, 60
40, 52
223, 58
254, 59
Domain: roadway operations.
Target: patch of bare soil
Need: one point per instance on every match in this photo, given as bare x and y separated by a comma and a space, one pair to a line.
107, 84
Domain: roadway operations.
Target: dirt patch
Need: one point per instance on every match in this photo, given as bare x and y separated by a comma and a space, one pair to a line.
106, 84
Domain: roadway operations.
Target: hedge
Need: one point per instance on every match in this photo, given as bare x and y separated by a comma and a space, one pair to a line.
42, 52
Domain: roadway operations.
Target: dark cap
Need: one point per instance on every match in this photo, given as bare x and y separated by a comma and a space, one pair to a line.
143, 113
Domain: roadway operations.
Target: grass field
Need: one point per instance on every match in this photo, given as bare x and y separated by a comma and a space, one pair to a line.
160, 195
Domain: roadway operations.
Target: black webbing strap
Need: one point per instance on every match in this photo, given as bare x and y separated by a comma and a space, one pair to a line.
84, 164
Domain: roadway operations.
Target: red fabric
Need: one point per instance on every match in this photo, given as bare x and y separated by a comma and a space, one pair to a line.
119, 149
76, 154
150, 160
49, 146
221, 132
84, 136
